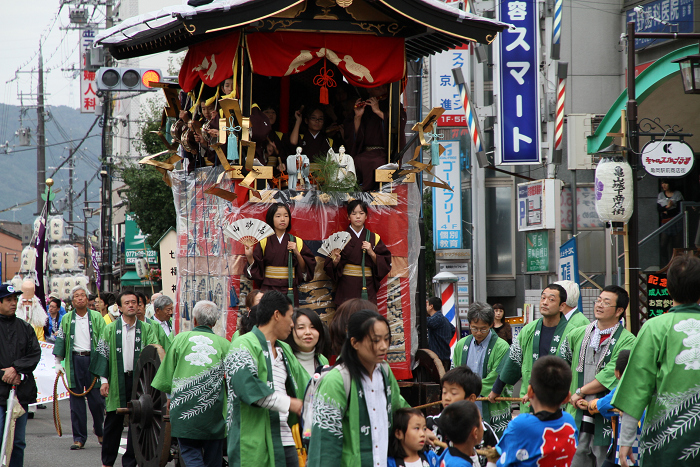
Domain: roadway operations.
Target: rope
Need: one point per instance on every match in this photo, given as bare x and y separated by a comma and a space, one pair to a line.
482, 399
56, 413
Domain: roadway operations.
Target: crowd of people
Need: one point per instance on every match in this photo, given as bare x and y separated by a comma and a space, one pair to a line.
270, 397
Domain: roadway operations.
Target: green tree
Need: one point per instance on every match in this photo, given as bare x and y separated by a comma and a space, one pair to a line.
149, 198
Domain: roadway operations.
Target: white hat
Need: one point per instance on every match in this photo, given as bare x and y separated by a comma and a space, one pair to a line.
572, 292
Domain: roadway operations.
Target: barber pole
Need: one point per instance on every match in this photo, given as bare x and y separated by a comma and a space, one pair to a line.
449, 309
471, 117
562, 69
556, 29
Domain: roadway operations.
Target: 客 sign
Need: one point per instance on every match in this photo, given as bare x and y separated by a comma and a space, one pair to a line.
518, 87
447, 205
537, 251
667, 158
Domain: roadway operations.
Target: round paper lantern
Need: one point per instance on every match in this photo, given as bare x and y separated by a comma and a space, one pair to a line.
142, 268
55, 257
68, 284
17, 282
81, 280
28, 259
613, 190
56, 228
56, 284
38, 221
69, 258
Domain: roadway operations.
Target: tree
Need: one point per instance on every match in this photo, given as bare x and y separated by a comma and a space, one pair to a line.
149, 198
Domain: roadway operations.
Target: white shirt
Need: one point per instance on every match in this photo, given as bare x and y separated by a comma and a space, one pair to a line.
375, 398
163, 324
307, 360
357, 234
128, 343
81, 340
570, 313
279, 401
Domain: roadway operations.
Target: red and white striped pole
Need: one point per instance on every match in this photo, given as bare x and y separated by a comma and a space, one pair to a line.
562, 69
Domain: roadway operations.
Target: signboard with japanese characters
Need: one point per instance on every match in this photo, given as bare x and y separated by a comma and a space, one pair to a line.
667, 158
537, 251
538, 204
444, 90
518, 132
568, 264
658, 299
88, 87
661, 16
135, 242
586, 215
447, 205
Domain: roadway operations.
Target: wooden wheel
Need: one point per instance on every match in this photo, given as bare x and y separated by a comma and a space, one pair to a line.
149, 417
429, 369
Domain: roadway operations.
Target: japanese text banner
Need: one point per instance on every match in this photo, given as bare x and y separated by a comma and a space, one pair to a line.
359, 57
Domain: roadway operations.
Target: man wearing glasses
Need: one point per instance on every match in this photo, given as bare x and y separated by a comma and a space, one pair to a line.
537, 339
482, 352
592, 353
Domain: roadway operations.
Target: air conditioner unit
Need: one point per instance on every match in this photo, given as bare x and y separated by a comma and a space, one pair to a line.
579, 127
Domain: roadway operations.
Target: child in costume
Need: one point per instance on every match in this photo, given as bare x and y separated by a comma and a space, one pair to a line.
549, 435
460, 384
408, 440
462, 423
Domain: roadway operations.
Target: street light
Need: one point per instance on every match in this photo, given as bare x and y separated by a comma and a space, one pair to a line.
690, 72
69, 231
6, 265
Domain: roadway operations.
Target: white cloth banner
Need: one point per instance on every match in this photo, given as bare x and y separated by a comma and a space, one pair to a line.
45, 375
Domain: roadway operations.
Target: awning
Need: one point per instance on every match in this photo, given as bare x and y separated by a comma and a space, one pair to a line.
428, 26
131, 279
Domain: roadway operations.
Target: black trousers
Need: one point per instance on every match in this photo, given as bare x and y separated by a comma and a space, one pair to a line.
96, 403
114, 428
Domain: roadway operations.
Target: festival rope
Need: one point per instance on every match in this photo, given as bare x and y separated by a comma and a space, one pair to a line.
481, 399
56, 413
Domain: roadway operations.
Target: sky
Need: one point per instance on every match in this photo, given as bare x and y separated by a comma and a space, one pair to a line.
22, 25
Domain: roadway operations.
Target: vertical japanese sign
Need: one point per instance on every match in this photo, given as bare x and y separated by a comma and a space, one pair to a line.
88, 87
537, 251
568, 265
658, 299
677, 12
447, 205
444, 91
518, 141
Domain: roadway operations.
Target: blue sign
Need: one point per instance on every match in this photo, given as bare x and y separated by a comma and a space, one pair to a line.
568, 265
519, 90
447, 205
676, 14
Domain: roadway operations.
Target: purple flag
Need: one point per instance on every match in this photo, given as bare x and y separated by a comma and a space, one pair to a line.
40, 245
96, 267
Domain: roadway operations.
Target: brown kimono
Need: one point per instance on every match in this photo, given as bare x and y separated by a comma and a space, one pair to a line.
347, 274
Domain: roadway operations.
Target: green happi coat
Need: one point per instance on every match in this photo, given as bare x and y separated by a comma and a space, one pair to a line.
110, 364
578, 319
341, 425
498, 414
663, 375
525, 351
570, 351
163, 339
254, 434
63, 347
193, 373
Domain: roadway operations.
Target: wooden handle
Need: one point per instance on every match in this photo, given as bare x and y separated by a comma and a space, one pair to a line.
481, 399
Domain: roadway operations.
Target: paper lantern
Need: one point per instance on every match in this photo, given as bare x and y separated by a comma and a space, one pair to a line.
56, 284
55, 257
613, 190
68, 284
56, 228
17, 282
69, 258
81, 279
38, 221
28, 259
142, 267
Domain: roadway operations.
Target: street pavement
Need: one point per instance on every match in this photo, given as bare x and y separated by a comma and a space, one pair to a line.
45, 448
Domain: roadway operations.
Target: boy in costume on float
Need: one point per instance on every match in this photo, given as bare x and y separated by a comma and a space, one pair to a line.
483, 351
265, 381
269, 261
345, 267
592, 353
351, 424
118, 352
663, 375
192, 372
537, 339
547, 437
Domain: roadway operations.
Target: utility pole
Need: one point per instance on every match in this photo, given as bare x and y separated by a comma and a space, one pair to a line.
106, 172
40, 138
71, 167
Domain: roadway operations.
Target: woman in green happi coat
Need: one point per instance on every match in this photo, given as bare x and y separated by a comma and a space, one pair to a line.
308, 340
355, 402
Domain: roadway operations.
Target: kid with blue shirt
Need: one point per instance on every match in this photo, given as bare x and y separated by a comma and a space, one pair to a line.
547, 437
407, 443
461, 423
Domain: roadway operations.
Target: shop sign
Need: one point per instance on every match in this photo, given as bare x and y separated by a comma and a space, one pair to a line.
667, 158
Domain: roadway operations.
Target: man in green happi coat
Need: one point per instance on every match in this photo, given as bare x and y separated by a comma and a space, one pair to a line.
538, 338
163, 318
265, 382
592, 353
573, 315
482, 352
76, 345
118, 351
193, 373
663, 375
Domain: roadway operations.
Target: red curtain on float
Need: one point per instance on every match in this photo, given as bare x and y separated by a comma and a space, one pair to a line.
210, 61
359, 57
